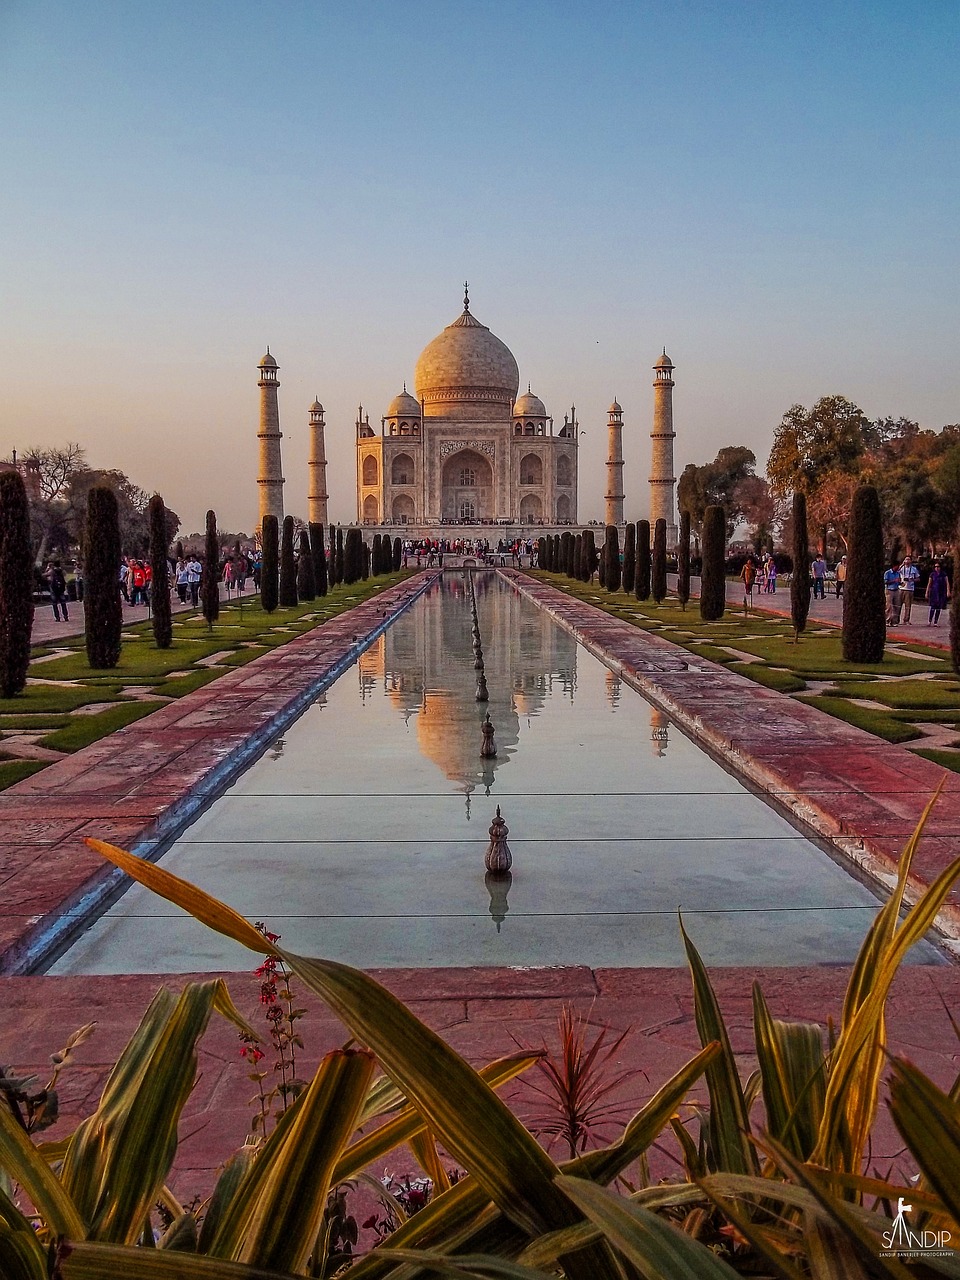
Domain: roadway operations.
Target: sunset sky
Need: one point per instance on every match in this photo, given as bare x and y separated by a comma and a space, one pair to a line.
769, 190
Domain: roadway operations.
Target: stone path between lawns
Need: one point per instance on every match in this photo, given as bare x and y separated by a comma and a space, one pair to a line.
136, 787
862, 794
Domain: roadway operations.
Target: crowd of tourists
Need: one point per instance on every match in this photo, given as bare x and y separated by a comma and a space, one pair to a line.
431, 551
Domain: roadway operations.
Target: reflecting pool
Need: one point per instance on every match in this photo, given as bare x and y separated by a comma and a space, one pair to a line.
360, 835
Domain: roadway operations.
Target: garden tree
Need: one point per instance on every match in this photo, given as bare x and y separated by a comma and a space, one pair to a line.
629, 558
925, 516
306, 578
589, 556
542, 553
642, 587
364, 559
397, 554
716, 483
578, 557
683, 560
611, 557
340, 555
49, 473
828, 506
832, 436
864, 610
713, 584
288, 566
658, 583
16, 584
376, 556
800, 579
132, 503
352, 556
319, 556
955, 607
160, 574
101, 559
757, 508
210, 579
270, 563
566, 553
333, 576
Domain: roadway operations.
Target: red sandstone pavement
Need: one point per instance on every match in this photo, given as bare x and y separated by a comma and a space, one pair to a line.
134, 787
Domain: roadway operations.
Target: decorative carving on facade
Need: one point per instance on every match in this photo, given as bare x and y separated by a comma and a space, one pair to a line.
448, 447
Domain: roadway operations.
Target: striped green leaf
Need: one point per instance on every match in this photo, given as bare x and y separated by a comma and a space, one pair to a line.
793, 1071
21, 1161
729, 1122
929, 1122
467, 1266
117, 1262
22, 1257
657, 1249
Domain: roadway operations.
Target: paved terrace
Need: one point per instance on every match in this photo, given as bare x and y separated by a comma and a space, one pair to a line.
138, 785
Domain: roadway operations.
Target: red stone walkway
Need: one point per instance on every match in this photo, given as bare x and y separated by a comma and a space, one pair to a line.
138, 786
862, 794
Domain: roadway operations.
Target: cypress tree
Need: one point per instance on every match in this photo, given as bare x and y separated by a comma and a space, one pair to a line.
954, 607
541, 553
800, 580
643, 560
306, 578
566, 552
16, 583
352, 567
589, 556
713, 584
864, 605
683, 560
101, 559
611, 556
332, 577
210, 579
159, 573
630, 558
288, 567
364, 559
397, 554
270, 563
658, 577
319, 556
340, 555
376, 566
578, 557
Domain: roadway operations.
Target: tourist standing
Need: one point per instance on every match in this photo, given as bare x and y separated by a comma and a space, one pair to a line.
194, 571
891, 585
841, 576
819, 570
182, 580
748, 576
938, 592
909, 573
58, 590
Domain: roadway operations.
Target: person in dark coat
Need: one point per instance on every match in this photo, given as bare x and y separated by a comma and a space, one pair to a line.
938, 592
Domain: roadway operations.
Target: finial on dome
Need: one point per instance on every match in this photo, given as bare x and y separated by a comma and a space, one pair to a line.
404, 388
466, 298
529, 392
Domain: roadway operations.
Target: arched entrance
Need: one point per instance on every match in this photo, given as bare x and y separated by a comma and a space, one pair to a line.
564, 515
403, 509
371, 510
531, 508
466, 487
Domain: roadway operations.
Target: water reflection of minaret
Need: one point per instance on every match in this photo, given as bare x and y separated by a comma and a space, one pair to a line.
659, 731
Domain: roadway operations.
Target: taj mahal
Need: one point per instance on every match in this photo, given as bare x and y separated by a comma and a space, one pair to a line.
466, 448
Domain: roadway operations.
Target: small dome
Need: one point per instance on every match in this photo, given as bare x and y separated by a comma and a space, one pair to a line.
403, 406
664, 362
316, 407
615, 408
268, 362
529, 406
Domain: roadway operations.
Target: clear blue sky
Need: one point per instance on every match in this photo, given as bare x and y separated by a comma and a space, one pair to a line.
770, 190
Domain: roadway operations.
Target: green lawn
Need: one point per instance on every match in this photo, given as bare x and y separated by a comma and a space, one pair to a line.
790, 667
242, 632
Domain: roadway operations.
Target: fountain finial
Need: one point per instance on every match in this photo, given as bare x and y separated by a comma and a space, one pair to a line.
499, 859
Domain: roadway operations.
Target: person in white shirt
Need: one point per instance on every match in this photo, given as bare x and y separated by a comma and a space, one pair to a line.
909, 573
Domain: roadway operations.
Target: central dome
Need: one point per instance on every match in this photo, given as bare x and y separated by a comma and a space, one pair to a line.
467, 372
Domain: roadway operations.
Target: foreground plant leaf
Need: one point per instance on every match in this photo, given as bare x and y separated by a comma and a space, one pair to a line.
21, 1255
473, 1124
655, 1247
20, 1159
929, 1122
467, 1266
793, 1072
116, 1262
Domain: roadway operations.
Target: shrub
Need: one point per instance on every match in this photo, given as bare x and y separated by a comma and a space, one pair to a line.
611, 557
159, 573
713, 584
101, 558
319, 555
683, 560
288, 567
659, 572
306, 578
340, 556
589, 556
800, 582
629, 576
333, 576
210, 579
352, 556
375, 555
270, 564
578, 557
16, 584
397, 554
864, 609
642, 588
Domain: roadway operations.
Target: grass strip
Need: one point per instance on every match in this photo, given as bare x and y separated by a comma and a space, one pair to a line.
82, 730
946, 759
769, 677
12, 771
880, 723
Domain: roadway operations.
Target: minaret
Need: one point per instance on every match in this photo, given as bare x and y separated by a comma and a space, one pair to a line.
614, 494
317, 490
663, 484
270, 479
